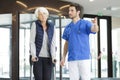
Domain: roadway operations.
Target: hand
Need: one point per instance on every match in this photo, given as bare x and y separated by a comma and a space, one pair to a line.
34, 59
62, 62
54, 61
95, 21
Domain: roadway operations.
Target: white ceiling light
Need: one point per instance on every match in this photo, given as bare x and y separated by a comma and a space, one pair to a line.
91, 0
22, 4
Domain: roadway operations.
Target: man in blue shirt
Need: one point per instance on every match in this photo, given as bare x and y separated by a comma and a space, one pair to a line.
76, 45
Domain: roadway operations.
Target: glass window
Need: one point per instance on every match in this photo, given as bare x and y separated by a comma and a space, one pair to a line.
6, 19
24, 37
103, 47
5, 45
24, 53
64, 22
116, 52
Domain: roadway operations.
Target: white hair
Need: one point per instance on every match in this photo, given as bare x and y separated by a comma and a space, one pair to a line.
41, 9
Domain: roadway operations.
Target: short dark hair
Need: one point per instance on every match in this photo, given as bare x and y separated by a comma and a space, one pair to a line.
78, 7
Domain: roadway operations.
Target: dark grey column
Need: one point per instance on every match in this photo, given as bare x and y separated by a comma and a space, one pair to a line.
15, 46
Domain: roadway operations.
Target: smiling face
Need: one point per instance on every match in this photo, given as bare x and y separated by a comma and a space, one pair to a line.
42, 16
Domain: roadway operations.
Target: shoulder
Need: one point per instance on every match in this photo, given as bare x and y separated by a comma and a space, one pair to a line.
67, 26
50, 23
85, 21
33, 24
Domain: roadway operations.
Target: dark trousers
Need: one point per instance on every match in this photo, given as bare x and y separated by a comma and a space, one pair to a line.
42, 69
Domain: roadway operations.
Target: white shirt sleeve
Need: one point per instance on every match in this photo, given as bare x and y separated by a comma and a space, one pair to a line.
53, 46
32, 40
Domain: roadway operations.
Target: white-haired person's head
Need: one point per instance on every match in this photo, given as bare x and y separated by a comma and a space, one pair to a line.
41, 9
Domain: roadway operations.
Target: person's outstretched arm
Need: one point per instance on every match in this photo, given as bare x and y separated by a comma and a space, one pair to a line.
95, 27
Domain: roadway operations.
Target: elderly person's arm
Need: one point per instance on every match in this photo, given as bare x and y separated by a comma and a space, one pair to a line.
53, 47
32, 42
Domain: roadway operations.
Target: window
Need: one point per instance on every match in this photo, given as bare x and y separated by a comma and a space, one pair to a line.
5, 45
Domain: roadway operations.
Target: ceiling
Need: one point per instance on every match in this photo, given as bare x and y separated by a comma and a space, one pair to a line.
8, 6
95, 7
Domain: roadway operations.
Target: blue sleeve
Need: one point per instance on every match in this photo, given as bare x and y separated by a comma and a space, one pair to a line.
65, 34
88, 26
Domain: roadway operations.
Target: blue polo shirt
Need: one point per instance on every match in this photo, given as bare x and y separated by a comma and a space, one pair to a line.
77, 35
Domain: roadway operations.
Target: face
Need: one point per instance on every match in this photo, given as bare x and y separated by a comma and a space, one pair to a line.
42, 16
73, 13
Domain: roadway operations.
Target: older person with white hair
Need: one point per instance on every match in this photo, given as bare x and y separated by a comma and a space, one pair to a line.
42, 44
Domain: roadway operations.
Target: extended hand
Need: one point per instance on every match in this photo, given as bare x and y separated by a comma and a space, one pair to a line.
94, 21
